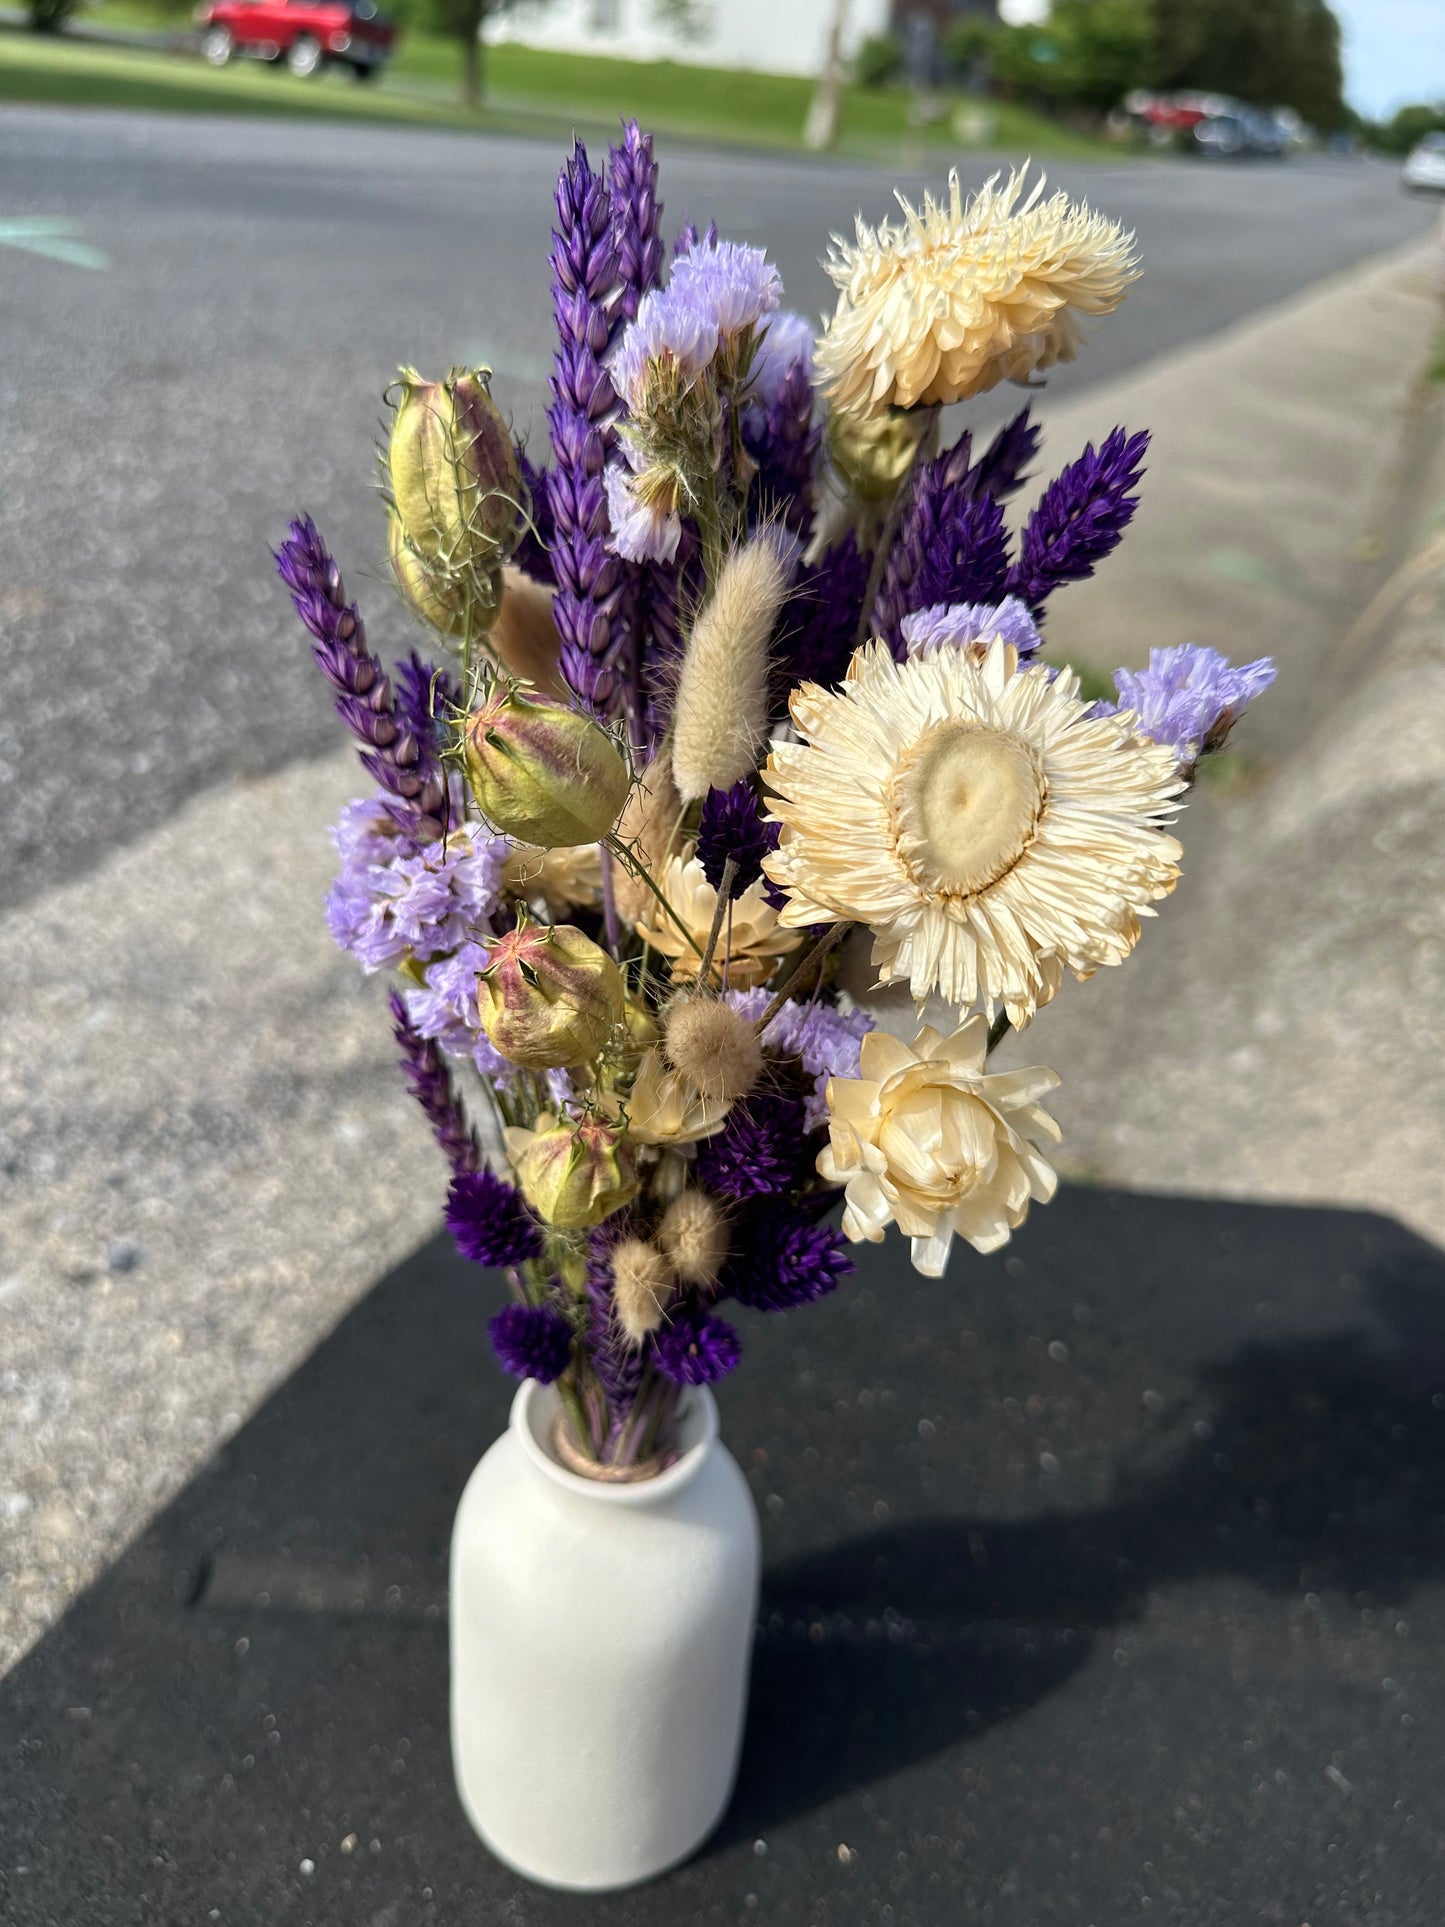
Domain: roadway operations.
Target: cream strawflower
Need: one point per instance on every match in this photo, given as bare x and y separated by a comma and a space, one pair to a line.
753, 942
552, 882
947, 302
928, 1140
663, 1108
987, 828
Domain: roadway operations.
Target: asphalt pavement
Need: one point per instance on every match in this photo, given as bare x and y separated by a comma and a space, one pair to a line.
198, 317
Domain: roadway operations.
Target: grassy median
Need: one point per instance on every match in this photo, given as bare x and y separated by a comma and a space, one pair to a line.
526, 91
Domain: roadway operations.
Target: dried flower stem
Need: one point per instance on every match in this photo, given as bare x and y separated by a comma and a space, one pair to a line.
927, 448
997, 1031
819, 950
635, 869
724, 901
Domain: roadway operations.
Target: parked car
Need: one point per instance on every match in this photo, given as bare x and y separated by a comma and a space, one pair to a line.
1425, 164
1243, 132
306, 34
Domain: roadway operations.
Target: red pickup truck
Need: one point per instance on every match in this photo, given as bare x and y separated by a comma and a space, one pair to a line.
306, 34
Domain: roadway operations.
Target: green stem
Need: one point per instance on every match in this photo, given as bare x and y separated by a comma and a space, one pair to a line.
635, 869
819, 950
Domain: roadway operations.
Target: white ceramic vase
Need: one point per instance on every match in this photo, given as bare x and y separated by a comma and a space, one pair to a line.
600, 1637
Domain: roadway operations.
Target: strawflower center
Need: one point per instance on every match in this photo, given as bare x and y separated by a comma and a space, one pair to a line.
966, 802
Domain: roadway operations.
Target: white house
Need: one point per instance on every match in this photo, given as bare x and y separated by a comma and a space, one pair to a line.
772, 36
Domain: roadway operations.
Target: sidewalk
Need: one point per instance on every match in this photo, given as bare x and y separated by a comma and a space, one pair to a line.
229, 1162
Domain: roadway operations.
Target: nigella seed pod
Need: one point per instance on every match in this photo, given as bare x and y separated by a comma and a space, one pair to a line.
542, 773
452, 474
575, 1175
438, 598
550, 998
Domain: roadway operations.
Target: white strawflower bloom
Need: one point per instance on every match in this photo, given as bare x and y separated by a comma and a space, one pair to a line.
751, 940
988, 828
953, 299
928, 1140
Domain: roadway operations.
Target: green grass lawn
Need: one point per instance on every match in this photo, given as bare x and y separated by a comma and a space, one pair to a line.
541, 92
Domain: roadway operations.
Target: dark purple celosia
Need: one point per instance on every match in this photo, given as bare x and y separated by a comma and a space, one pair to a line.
999, 471
783, 1257
591, 581
489, 1222
531, 1341
533, 554
431, 1085
821, 620
695, 1348
783, 439
1079, 519
732, 826
618, 1366
952, 546
405, 764
763, 1149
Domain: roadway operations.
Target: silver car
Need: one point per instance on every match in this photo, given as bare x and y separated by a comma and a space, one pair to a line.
1425, 166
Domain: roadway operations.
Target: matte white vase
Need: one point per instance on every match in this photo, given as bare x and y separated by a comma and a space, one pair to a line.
600, 1638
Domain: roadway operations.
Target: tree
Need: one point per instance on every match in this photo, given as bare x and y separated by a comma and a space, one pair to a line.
462, 21
51, 16
821, 129
1274, 53
1089, 53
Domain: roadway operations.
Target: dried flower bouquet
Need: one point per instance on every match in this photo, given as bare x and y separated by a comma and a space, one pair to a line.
748, 668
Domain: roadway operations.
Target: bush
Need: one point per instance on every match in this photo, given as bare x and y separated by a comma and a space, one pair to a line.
50, 16
878, 60
966, 44
1409, 126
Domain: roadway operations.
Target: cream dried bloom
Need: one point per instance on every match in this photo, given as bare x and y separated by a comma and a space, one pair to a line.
552, 882
663, 1108
951, 300
929, 1140
988, 829
751, 940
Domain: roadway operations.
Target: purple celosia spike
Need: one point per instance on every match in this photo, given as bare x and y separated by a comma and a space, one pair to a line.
533, 554
783, 440
405, 765
731, 826
999, 471
952, 546
531, 1341
489, 1222
822, 618
591, 581
688, 238
636, 217
783, 1258
761, 1150
1080, 517
695, 1348
431, 1086
617, 1365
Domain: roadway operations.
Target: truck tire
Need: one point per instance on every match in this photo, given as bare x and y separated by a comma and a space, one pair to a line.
218, 47
304, 57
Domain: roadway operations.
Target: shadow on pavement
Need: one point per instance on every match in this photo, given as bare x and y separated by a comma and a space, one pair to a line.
1092, 1573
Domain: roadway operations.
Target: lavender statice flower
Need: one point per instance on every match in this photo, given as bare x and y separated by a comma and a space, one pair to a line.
431, 1085
695, 1348
420, 906
590, 580
488, 1221
733, 285
531, 1341
670, 329
1080, 517
826, 1041
406, 767
1189, 697
732, 826
929, 630
952, 546
636, 218
782, 1258
762, 1149
638, 531
785, 346
821, 620
533, 554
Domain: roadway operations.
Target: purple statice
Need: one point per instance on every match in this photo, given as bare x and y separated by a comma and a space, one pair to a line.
778, 429
407, 768
732, 826
421, 906
636, 218
670, 328
1080, 517
590, 580
531, 1341
430, 1083
695, 1348
762, 1149
638, 531
821, 620
488, 1221
533, 554
823, 1038
951, 547
929, 630
782, 1257
1189, 697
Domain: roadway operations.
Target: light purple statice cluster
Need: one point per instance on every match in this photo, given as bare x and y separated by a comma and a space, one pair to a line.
1190, 697
386, 905
824, 1038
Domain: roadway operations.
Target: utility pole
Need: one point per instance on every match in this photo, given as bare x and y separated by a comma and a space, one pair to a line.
821, 129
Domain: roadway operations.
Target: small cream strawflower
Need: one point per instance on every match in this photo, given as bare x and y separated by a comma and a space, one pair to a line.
951, 300
988, 830
752, 944
663, 1108
929, 1140
552, 882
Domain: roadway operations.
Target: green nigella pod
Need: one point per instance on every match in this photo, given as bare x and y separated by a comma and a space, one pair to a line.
574, 1176
550, 998
452, 475
542, 773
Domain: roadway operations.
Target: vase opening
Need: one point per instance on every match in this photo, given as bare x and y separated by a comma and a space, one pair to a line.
537, 1410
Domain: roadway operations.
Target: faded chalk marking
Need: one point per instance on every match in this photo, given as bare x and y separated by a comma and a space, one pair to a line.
52, 237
